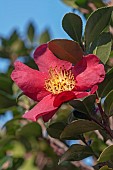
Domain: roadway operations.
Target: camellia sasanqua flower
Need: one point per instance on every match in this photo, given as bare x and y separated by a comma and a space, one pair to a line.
57, 81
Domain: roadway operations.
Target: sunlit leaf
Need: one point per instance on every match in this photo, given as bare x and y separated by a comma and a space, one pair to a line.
66, 50
44, 37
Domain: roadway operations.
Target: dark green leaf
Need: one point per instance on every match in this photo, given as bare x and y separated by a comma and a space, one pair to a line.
83, 104
66, 50
44, 37
103, 48
96, 23
72, 24
107, 85
76, 152
55, 129
78, 127
106, 155
31, 32
108, 104
30, 130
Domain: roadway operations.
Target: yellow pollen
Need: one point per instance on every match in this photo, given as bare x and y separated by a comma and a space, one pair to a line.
59, 80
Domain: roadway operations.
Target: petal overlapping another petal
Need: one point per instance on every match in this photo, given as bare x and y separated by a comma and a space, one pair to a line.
88, 72
44, 108
30, 81
45, 59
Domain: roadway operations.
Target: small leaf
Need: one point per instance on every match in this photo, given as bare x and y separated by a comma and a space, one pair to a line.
108, 104
78, 127
66, 50
106, 155
31, 32
72, 25
103, 48
76, 152
107, 85
96, 23
105, 168
44, 37
83, 104
70, 3
55, 129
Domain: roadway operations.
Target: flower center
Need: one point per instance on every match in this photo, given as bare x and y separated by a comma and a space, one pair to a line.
59, 80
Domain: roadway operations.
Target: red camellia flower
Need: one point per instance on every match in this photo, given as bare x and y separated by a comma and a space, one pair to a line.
57, 81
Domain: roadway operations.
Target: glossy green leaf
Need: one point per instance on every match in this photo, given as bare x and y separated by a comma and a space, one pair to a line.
31, 32
105, 168
108, 104
85, 105
103, 48
78, 127
44, 37
66, 50
72, 24
96, 23
76, 152
55, 129
106, 155
107, 85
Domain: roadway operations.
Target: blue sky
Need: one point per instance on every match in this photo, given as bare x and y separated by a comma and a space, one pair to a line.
44, 13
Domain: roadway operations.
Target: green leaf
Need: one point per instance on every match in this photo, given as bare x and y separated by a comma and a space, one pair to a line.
55, 129
31, 32
14, 37
96, 23
66, 50
70, 3
76, 152
44, 37
107, 85
78, 127
85, 105
72, 24
108, 104
103, 48
105, 168
106, 155
30, 130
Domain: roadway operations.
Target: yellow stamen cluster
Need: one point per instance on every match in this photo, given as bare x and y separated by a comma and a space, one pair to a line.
59, 80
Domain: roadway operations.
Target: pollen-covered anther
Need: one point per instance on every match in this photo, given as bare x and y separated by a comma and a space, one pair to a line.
59, 80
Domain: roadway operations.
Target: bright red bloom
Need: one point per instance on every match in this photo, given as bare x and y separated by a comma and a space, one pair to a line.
57, 81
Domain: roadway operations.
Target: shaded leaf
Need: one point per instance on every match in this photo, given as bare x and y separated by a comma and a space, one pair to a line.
78, 127
96, 23
108, 104
76, 152
83, 104
107, 85
106, 155
70, 3
55, 129
72, 24
66, 50
30, 130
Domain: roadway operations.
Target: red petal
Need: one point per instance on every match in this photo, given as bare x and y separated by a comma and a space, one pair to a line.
63, 97
43, 108
45, 59
30, 81
88, 72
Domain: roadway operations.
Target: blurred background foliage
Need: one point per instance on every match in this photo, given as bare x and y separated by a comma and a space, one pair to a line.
25, 145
